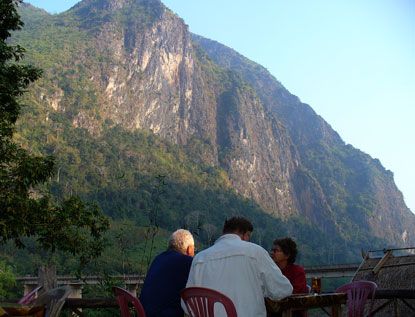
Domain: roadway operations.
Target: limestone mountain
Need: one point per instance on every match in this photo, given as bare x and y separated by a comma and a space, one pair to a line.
356, 186
132, 66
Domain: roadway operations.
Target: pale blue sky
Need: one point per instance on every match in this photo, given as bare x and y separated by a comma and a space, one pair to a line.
352, 61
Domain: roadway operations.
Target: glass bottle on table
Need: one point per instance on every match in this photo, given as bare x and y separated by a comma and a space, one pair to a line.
316, 285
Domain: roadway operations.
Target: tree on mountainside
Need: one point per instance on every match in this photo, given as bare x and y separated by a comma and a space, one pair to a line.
26, 210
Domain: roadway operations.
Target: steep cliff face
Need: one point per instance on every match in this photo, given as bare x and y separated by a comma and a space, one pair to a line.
132, 63
357, 188
150, 79
145, 74
255, 150
155, 82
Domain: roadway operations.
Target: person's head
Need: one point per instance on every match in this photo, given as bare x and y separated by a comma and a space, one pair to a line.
238, 225
284, 251
182, 241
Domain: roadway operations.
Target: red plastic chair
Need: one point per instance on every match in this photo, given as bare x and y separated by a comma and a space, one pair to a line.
200, 302
30, 297
124, 297
357, 294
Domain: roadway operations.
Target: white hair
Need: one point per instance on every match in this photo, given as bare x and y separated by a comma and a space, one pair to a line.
180, 240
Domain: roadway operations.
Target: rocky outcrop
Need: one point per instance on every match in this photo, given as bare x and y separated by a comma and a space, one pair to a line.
138, 67
354, 188
154, 81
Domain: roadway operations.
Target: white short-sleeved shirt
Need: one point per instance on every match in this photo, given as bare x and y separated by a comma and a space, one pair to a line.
241, 270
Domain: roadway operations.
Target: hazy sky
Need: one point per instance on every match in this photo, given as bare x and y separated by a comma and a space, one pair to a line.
352, 61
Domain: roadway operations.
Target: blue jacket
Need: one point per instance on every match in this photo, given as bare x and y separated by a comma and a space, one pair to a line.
165, 279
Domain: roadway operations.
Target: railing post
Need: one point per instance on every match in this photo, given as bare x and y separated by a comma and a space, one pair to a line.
27, 288
132, 288
76, 290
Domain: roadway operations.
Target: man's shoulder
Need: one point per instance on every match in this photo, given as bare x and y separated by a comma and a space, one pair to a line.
173, 255
170, 260
255, 247
236, 248
252, 247
179, 255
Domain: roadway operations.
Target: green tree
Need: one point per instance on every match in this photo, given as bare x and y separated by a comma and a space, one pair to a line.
7, 279
25, 209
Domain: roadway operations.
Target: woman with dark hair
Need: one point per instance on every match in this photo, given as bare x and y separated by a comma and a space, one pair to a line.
284, 253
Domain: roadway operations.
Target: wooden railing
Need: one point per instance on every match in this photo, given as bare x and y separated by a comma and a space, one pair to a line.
393, 296
75, 304
329, 271
132, 282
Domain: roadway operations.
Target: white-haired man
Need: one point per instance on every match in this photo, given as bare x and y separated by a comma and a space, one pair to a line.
167, 276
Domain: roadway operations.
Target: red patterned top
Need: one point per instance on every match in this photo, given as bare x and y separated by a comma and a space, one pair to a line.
296, 275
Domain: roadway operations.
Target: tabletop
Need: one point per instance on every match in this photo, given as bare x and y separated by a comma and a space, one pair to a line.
307, 301
36, 311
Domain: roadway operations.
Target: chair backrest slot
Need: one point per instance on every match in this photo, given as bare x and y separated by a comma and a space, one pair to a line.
357, 294
124, 297
200, 302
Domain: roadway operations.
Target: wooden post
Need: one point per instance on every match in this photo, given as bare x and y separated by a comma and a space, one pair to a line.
27, 288
336, 311
76, 293
76, 290
382, 261
132, 288
395, 302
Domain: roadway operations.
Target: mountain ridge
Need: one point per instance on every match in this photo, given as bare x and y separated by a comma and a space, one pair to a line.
141, 69
315, 126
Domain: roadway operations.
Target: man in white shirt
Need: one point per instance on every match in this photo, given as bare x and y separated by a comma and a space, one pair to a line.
241, 270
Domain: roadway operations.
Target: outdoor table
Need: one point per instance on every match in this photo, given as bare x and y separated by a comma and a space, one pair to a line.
34, 311
307, 301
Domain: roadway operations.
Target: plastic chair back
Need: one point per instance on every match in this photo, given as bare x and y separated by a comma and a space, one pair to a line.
124, 297
200, 302
53, 300
30, 297
357, 294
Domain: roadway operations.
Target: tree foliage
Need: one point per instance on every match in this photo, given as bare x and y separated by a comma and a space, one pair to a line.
7, 279
25, 209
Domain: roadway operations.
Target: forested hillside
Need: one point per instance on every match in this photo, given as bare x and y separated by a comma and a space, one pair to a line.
164, 130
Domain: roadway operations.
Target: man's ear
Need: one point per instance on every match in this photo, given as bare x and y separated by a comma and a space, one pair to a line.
246, 236
190, 250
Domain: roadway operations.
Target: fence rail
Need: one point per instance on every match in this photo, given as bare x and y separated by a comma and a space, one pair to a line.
330, 271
